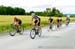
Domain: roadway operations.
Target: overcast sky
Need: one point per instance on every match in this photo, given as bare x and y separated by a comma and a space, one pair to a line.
66, 6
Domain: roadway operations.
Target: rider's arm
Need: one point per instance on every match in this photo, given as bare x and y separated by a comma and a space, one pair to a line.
38, 21
49, 20
14, 22
32, 21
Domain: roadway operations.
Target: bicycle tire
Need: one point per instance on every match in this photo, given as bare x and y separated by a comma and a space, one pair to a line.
12, 31
21, 31
32, 31
40, 32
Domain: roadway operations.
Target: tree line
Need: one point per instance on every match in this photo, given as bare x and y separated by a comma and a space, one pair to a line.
11, 11
20, 11
48, 12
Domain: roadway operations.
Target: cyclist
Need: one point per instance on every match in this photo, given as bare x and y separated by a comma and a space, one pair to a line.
50, 20
67, 20
17, 22
59, 22
36, 21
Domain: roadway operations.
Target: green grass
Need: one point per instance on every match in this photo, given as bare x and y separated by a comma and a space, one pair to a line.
6, 20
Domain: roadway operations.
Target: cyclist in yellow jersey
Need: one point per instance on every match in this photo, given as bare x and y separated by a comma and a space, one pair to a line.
17, 22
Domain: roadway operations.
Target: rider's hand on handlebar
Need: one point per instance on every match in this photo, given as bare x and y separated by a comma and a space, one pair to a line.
30, 23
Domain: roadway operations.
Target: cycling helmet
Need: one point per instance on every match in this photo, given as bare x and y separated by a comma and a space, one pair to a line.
15, 17
68, 16
33, 14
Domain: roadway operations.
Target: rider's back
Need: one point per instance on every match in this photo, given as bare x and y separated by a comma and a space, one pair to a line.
50, 20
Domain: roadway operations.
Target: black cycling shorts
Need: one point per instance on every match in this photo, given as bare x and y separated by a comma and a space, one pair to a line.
36, 22
20, 22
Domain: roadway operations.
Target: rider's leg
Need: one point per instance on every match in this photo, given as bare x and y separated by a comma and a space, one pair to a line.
18, 28
57, 25
50, 26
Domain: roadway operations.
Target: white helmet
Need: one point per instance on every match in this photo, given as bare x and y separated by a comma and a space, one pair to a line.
33, 14
68, 16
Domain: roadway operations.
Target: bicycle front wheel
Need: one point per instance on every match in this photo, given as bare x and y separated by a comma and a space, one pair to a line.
32, 33
12, 30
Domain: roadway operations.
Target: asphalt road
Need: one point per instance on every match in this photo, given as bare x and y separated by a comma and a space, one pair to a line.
63, 38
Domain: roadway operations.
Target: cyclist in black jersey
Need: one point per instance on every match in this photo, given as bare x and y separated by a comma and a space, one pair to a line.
59, 22
67, 20
50, 20
36, 21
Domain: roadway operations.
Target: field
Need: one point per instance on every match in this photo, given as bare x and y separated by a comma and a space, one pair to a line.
6, 20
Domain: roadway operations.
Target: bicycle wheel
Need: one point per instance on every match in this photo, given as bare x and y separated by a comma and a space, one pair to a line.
67, 23
58, 25
12, 31
32, 33
21, 31
39, 32
50, 27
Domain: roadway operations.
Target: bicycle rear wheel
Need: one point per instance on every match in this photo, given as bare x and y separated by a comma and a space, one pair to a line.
39, 32
21, 31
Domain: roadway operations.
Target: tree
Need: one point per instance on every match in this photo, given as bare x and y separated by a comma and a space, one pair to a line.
19, 11
47, 11
11, 11
2, 10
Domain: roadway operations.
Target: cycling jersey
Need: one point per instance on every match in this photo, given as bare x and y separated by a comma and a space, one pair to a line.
58, 20
18, 21
36, 19
50, 20
68, 19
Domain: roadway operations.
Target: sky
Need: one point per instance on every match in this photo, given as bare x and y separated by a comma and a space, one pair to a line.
65, 6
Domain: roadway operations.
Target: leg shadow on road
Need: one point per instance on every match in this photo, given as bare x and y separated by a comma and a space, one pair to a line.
50, 36
53, 30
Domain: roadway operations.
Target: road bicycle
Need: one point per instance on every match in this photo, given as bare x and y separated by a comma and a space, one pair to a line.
67, 23
35, 31
14, 29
